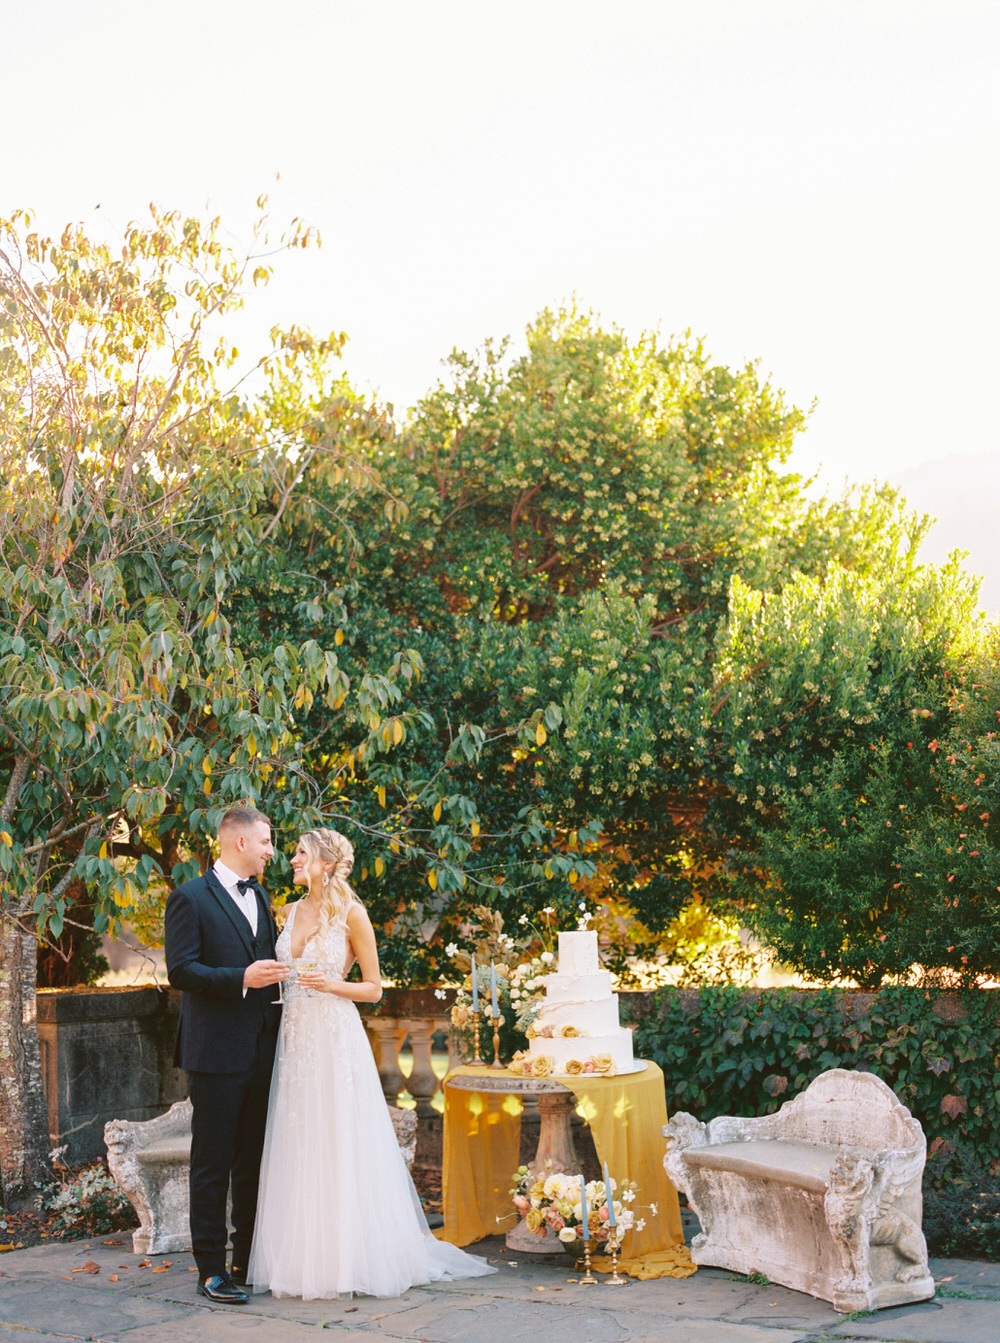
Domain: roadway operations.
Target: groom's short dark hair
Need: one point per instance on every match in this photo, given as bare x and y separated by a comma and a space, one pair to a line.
242, 818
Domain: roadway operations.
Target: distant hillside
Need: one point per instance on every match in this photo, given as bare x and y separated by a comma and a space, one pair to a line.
963, 494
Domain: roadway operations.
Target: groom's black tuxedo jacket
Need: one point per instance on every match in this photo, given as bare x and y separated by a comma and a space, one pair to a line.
208, 946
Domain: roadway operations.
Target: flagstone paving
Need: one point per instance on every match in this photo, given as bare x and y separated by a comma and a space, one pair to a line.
99, 1291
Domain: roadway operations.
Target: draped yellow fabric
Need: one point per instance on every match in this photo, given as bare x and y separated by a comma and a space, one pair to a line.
482, 1141
626, 1115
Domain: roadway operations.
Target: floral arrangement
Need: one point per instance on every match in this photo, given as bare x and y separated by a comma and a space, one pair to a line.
519, 974
552, 1203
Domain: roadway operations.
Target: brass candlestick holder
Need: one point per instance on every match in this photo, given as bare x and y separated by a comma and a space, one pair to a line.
588, 1279
495, 1018
616, 1279
477, 1060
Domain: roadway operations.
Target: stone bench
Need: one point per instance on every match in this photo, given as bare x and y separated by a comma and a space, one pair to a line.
149, 1161
823, 1196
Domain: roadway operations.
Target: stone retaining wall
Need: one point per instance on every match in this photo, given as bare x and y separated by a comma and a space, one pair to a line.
106, 1054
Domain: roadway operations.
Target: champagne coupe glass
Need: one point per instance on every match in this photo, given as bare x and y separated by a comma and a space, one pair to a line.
281, 997
306, 964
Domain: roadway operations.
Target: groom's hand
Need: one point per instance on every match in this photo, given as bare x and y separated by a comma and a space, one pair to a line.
262, 973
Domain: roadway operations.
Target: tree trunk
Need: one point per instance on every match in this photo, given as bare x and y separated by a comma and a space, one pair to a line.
24, 1138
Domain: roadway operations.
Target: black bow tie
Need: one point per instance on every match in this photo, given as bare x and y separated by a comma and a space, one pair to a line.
250, 884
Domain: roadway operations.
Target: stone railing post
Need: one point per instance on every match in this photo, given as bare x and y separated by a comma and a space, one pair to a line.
387, 1037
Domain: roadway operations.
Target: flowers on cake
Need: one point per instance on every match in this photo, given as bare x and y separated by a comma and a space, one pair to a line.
552, 1205
544, 1065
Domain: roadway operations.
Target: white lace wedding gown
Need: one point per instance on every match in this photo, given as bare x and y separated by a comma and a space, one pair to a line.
337, 1210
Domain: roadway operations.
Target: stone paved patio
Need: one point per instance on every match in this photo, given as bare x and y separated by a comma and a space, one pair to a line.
47, 1294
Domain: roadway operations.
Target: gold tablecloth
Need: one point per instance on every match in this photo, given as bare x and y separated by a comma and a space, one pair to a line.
626, 1114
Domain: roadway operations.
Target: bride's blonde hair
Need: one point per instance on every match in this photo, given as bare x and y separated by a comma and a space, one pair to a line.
337, 854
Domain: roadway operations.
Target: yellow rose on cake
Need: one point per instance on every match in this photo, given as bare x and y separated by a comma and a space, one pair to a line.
604, 1064
542, 1065
573, 1067
568, 1032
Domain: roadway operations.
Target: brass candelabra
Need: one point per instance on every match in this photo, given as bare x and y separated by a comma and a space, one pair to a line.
616, 1279
495, 1018
477, 1059
588, 1279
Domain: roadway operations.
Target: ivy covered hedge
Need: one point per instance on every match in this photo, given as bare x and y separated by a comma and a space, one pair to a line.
725, 1050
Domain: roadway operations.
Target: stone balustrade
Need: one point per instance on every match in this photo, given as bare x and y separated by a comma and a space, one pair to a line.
412, 1017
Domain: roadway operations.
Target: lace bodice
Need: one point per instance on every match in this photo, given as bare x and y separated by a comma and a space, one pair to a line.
328, 951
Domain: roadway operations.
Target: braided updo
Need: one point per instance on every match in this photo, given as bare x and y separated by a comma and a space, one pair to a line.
337, 855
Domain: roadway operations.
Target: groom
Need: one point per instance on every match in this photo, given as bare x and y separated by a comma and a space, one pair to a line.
219, 938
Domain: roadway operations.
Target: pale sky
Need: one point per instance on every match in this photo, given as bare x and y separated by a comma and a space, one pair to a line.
811, 183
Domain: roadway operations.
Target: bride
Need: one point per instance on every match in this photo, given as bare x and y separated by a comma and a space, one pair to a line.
337, 1210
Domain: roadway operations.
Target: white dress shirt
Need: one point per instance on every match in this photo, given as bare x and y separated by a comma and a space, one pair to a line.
246, 901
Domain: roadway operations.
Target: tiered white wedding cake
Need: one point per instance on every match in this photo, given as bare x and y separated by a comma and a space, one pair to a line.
577, 1027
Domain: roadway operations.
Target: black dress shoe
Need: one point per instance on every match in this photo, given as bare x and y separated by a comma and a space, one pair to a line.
221, 1289
238, 1275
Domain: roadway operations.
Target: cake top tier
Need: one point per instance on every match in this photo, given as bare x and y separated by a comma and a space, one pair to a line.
578, 954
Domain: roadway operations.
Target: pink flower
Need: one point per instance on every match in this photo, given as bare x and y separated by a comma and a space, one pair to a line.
554, 1220
603, 1213
521, 1203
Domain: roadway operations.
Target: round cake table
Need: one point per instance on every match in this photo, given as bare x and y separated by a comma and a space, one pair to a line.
482, 1130
555, 1136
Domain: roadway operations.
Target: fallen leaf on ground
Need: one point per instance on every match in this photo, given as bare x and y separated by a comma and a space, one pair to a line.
144, 1263
112, 1277
88, 1267
162, 1268
112, 1242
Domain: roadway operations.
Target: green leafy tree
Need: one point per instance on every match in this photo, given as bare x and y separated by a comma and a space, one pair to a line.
568, 526
825, 710
137, 487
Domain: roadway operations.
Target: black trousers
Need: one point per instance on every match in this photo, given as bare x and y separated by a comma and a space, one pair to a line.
228, 1119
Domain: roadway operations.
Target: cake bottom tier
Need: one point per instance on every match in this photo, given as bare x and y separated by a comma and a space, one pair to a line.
581, 1048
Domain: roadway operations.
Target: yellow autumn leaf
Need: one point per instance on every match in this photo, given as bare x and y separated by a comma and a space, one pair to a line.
206, 765
437, 811
572, 878
207, 787
398, 732
338, 638
432, 879
474, 827
541, 736
104, 850
380, 794
6, 837
251, 745
379, 867
210, 618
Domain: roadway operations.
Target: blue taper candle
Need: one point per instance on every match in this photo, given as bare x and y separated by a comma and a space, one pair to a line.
493, 988
609, 1196
583, 1208
475, 987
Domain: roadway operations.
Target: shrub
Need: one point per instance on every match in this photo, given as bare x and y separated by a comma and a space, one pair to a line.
85, 1202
